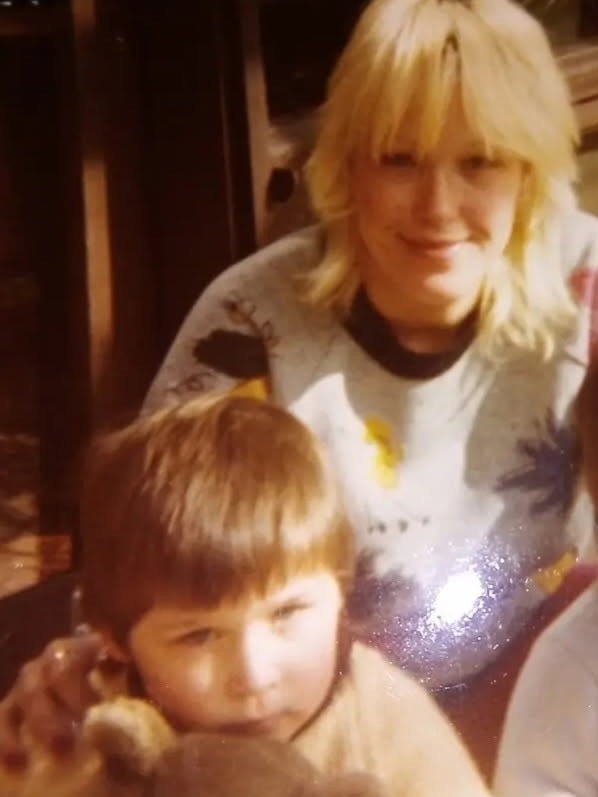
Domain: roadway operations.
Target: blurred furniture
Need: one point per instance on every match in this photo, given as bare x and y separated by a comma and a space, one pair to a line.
284, 83
127, 133
86, 250
29, 620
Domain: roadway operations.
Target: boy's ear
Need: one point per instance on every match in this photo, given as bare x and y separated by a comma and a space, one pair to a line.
114, 649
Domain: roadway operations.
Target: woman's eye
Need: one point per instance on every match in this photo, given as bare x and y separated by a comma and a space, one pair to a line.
400, 160
288, 611
479, 162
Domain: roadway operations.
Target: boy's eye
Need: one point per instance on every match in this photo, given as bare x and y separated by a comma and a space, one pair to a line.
400, 160
199, 636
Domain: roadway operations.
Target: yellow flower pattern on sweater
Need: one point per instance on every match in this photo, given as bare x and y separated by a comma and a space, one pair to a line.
388, 452
550, 578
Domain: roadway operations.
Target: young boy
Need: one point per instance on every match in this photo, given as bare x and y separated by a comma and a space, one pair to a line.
551, 732
216, 560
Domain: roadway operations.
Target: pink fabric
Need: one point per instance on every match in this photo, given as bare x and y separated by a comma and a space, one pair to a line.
584, 284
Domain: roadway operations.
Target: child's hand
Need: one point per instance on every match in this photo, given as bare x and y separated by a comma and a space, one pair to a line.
49, 698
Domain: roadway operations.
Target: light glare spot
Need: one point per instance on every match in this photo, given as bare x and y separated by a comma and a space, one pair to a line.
457, 599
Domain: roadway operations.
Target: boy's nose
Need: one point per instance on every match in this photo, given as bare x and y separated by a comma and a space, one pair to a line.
254, 669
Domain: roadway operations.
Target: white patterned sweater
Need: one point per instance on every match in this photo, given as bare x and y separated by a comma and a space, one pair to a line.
459, 486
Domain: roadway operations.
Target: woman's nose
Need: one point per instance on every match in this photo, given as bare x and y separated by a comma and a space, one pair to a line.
253, 668
438, 194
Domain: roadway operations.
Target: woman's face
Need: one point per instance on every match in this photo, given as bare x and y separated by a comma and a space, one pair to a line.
431, 229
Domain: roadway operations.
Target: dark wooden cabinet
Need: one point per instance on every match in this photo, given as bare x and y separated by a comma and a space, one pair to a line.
126, 133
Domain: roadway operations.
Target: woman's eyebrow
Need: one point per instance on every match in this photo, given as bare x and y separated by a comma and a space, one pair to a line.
298, 595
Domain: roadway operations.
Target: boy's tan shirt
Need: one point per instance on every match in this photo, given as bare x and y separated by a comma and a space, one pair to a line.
382, 721
379, 720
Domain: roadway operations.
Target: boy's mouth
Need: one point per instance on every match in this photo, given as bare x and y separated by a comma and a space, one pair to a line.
264, 726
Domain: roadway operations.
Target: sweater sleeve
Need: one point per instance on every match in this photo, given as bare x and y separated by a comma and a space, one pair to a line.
551, 730
230, 336
222, 345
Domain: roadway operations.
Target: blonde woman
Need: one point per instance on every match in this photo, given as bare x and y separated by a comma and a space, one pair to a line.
432, 329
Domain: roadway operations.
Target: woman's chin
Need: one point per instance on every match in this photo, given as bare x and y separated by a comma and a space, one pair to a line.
447, 295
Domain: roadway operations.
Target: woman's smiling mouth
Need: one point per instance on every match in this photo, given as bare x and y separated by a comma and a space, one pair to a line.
439, 249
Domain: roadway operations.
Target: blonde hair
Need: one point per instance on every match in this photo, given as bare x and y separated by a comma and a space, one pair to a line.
211, 500
497, 56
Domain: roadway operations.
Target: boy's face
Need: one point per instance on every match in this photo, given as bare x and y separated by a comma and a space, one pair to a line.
261, 666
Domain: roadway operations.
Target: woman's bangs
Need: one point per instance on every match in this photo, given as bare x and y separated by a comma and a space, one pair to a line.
492, 116
411, 106
516, 116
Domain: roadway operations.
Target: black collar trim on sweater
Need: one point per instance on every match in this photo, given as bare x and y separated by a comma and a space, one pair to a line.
373, 334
